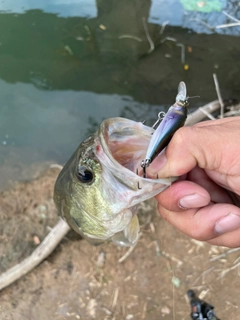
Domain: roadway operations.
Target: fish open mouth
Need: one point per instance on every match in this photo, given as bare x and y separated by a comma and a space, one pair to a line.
126, 141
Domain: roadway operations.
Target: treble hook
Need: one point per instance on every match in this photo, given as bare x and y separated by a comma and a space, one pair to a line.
160, 117
145, 163
139, 188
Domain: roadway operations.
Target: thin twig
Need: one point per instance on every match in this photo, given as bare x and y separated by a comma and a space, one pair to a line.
204, 23
129, 36
232, 113
207, 114
223, 255
237, 260
127, 254
152, 46
234, 24
202, 275
219, 95
169, 39
167, 256
130, 250
178, 45
229, 16
144, 310
198, 115
224, 272
115, 298
163, 26
182, 51
157, 248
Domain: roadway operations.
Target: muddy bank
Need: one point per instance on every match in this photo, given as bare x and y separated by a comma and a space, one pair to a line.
79, 281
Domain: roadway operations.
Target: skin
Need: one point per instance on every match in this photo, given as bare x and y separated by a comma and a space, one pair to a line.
205, 202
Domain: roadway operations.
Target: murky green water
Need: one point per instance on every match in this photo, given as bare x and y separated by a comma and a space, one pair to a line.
65, 67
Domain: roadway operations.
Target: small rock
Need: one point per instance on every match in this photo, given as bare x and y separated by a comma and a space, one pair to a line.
91, 308
165, 310
36, 240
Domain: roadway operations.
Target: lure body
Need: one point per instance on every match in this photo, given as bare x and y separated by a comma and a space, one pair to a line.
172, 121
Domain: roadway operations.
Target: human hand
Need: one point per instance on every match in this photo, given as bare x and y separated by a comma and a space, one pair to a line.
205, 202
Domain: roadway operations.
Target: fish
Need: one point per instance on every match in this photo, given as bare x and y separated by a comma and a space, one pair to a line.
171, 122
98, 190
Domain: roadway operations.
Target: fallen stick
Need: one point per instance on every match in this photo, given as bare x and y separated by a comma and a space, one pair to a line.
199, 115
223, 255
130, 250
152, 47
39, 254
219, 95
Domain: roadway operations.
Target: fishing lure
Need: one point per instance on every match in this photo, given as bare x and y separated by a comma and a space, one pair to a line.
172, 121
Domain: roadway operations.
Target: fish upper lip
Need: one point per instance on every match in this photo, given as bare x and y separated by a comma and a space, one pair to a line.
107, 158
105, 154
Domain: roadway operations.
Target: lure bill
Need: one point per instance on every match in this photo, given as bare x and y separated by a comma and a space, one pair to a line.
172, 121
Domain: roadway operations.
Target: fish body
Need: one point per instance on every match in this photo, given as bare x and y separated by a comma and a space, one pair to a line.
98, 190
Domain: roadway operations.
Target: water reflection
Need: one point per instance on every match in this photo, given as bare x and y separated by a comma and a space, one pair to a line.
198, 16
29, 116
63, 8
61, 76
45, 50
38, 125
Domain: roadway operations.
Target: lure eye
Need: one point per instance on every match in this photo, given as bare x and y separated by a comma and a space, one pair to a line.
85, 175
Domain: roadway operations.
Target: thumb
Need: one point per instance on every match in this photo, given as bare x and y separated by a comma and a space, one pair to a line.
190, 146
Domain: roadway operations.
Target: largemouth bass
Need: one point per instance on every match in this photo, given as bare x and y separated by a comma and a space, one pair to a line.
98, 190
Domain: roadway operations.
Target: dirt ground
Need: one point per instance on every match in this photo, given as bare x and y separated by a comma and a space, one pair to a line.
80, 281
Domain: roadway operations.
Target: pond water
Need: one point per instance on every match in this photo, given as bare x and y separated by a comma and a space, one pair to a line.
67, 65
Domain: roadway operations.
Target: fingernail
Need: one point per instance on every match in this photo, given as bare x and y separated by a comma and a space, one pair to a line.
192, 201
158, 163
228, 223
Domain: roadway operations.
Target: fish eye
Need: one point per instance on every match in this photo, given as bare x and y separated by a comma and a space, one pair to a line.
84, 174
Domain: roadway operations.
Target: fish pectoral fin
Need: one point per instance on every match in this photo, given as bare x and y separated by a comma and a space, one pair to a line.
132, 230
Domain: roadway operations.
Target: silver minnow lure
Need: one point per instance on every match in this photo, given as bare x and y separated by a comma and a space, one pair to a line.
172, 121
